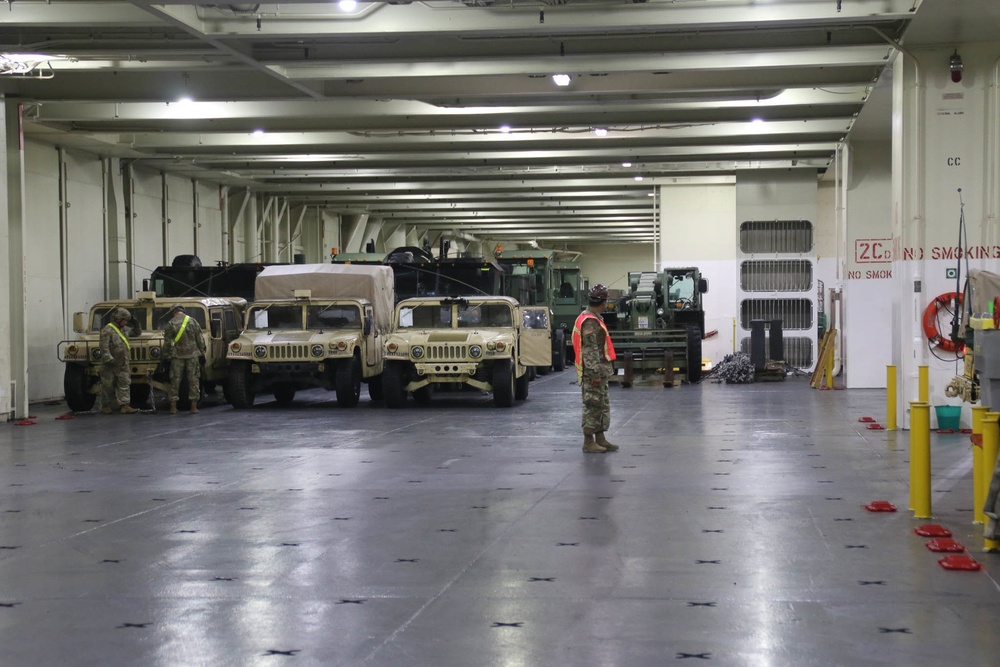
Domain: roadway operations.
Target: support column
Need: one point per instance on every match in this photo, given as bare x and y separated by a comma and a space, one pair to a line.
13, 374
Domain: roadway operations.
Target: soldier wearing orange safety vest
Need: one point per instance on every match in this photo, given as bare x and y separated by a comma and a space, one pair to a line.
594, 352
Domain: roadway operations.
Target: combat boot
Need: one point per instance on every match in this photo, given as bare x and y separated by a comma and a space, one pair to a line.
128, 410
591, 447
603, 442
173, 407
194, 408
106, 410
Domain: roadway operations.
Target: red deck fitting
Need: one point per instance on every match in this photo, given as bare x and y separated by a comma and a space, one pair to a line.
24, 422
65, 417
946, 430
867, 419
875, 427
965, 430
945, 544
960, 563
880, 506
932, 530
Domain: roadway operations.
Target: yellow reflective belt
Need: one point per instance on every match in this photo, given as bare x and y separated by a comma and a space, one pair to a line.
184, 325
118, 331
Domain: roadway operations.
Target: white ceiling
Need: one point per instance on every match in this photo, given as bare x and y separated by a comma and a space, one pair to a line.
396, 108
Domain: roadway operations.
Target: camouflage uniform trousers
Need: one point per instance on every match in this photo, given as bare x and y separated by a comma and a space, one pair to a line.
178, 368
115, 386
596, 408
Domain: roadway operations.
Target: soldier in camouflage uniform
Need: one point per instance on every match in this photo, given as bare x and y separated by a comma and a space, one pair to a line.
594, 353
184, 345
115, 348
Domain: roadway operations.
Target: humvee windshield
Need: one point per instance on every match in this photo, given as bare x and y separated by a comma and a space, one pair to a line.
333, 317
101, 315
275, 317
433, 316
161, 316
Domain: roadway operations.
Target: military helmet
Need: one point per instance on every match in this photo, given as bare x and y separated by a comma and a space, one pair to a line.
120, 314
598, 294
178, 308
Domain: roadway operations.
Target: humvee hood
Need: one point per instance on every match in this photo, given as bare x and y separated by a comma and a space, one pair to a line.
263, 338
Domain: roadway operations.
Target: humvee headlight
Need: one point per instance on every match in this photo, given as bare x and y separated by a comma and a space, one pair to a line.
317, 350
417, 352
235, 347
392, 347
154, 353
341, 345
95, 354
475, 351
260, 352
501, 346
491, 346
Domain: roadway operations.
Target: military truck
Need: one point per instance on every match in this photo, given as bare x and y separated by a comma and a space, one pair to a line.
537, 278
484, 342
220, 320
661, 315
313, 325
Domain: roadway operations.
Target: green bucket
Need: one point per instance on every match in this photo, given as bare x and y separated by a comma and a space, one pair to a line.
948, 417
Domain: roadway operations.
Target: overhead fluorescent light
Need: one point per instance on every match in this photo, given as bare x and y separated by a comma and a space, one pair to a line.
626, 164
561, 79
601, 131
347, 5
505, 129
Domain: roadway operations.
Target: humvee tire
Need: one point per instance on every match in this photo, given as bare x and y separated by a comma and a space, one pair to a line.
393, 387
521, 386
559, 358
139, 395
284, 394
375, 388
348, 382
240, 392
76, 386
503, 383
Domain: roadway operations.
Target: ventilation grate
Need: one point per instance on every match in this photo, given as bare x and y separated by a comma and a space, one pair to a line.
776, 236
793, 313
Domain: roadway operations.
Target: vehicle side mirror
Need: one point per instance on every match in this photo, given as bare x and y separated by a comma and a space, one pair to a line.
79, 322
703, 285
216, 329
368, 326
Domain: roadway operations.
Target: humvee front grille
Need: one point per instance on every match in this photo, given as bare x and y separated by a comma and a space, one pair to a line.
447, 352
139, 354
287, 351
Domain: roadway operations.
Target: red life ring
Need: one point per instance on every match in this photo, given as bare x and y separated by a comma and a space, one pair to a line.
930, 320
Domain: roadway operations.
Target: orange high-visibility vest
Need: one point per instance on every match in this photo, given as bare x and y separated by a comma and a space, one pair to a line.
609, 348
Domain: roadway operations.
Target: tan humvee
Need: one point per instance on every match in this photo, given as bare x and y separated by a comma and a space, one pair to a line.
313, 325
220, 319
486, 342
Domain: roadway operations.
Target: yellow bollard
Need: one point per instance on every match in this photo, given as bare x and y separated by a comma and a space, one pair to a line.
978, 489
991, 442
890, 398
923, 394
920, 459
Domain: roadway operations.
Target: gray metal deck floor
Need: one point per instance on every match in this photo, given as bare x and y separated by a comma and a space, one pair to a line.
729, 530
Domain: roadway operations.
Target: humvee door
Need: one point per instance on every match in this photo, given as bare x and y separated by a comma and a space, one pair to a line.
536, 336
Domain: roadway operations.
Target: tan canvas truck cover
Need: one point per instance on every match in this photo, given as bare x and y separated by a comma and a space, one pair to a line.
332, 281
